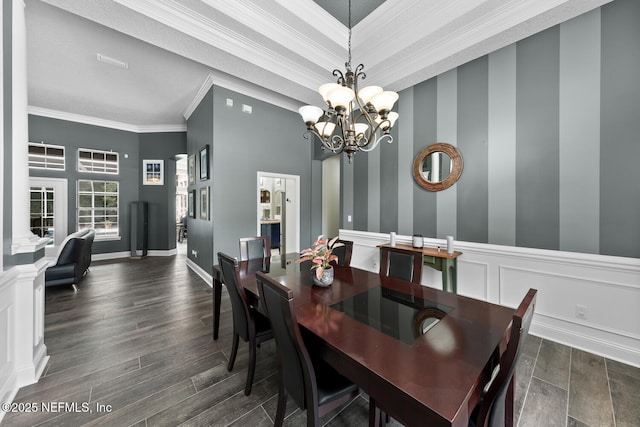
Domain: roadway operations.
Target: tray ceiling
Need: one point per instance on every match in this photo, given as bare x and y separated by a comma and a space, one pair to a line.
279, 51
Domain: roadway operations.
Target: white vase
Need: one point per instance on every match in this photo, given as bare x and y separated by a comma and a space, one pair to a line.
325, 280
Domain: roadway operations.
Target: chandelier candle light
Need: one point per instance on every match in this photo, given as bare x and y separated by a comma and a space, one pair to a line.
355, 120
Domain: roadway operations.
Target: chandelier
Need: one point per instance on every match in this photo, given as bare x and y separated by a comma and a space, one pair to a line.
355, 119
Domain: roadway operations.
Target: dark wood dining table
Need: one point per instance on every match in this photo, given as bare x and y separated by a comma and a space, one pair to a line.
421, 353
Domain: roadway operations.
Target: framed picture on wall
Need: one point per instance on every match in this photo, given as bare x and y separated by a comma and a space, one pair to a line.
204, 163
153, 172
192, 204
191, 169
204, 203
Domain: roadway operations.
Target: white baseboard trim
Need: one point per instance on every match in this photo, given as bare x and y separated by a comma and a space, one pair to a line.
200, 272
127, 254
606, 348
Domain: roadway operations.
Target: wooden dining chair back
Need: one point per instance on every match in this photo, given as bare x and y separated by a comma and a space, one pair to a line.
311, 382
255, 247
491, 409
248, 323
401, 263
343, 252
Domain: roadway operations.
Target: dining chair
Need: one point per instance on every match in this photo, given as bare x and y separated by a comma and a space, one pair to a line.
255, 247
312, 383
401, 263
343, 252
248, 323
490, 412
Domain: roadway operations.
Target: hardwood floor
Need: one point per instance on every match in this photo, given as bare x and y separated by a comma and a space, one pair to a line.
133, 347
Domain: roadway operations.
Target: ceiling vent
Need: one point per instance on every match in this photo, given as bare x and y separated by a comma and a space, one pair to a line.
112, 61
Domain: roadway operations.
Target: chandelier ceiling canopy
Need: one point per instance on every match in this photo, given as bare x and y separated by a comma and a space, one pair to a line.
355, 119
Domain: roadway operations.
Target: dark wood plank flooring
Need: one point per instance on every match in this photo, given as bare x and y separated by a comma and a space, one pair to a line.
134, 348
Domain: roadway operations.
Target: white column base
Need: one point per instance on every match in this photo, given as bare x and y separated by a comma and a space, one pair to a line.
30, 350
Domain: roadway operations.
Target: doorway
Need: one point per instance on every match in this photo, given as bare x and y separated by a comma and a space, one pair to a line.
331, 196
182, 204
48, 214
278, 210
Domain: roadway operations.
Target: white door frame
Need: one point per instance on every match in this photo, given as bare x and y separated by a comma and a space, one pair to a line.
295, 207
60, 208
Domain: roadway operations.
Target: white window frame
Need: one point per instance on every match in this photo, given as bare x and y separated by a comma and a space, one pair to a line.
60, 208
47, 161
93, 165
101, 234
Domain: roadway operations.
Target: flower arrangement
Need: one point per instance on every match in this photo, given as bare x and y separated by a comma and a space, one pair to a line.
321, 254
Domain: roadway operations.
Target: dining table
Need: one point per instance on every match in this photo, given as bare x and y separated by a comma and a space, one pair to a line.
422, 354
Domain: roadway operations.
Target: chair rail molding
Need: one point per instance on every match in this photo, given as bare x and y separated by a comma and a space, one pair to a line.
576, 291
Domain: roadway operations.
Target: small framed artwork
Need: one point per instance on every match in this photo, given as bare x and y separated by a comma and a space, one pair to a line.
204, 163
192, 204
191, 166
153, 172
204, 203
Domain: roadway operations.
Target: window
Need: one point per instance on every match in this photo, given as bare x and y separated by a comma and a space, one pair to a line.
96, 161
41, 213
98, 207
45, 156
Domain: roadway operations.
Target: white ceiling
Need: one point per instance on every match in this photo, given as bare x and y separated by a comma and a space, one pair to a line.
279, 51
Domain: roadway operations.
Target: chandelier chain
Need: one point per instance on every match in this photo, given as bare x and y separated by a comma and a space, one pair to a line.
349, 57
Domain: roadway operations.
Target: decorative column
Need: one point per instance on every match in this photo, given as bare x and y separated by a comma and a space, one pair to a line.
23, 241
29, 351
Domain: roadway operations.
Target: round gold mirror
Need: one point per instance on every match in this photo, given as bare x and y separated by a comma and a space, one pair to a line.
437, 167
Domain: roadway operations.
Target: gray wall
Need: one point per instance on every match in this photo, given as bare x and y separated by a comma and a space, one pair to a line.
165, 146
268, 140
199, 134
549, 130
162, 198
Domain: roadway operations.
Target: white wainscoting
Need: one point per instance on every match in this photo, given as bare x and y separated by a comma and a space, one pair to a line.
607, 287
23, 354
8, 375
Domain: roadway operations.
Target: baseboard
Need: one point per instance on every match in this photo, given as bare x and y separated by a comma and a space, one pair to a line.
200, 272
127, 254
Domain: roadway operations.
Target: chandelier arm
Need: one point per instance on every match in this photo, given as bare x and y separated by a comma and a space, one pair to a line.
386, 136
379, 125
337, 143
359, 73
334, 144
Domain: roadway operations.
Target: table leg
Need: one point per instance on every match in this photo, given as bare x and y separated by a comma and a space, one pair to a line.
450, 284
217, 296
375, 415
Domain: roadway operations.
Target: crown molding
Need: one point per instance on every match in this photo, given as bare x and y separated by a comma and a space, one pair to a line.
197, 99
270, 24
202, 28
487, 29
112, 124
242, 87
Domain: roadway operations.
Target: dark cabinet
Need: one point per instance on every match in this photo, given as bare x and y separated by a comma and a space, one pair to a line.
139, 234
271, 229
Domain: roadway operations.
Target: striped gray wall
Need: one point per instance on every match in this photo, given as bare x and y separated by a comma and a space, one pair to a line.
620, 130
549, 130
537, 136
